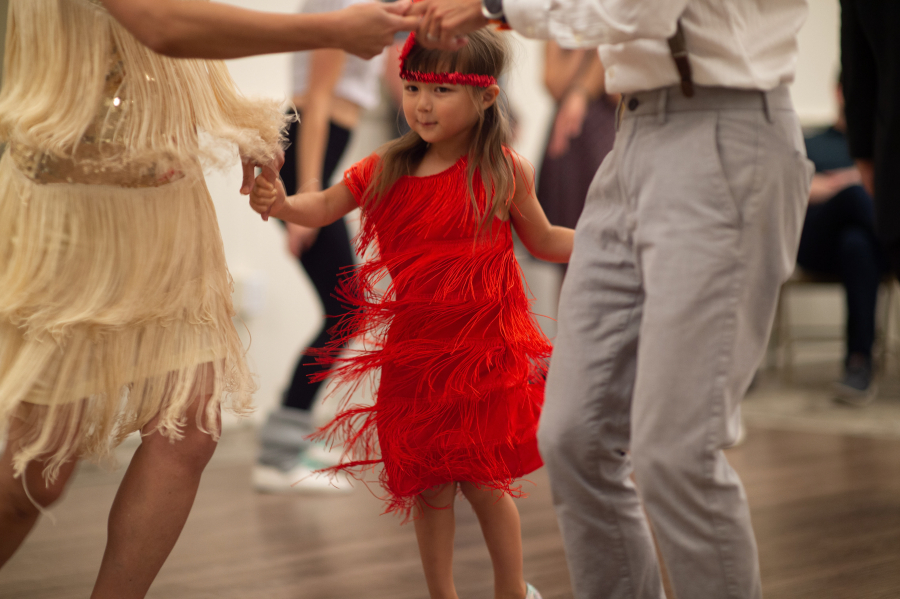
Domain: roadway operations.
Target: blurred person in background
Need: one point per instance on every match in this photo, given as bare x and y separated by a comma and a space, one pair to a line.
582, 132
331, 89
870, 60
839, 239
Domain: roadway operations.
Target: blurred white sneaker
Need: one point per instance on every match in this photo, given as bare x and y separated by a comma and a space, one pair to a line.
302, 478
531, 592
324, 456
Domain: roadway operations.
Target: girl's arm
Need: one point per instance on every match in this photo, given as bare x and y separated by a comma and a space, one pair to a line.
543, 240
194, 29
311, 209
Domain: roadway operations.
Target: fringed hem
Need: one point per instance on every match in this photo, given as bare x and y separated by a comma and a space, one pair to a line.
115, 308
517, 460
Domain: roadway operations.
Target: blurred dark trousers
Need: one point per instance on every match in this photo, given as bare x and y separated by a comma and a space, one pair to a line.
325, 262
839, 239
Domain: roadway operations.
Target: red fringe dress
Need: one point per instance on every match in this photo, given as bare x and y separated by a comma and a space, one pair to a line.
461, 358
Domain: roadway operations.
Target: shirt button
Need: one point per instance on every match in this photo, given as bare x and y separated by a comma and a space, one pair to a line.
633, 104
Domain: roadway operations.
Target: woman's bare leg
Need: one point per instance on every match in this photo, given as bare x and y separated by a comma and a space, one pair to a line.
151, 507
499, 520
18, 514
435, 530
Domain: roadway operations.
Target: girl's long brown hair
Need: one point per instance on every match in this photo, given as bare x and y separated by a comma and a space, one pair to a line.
486, 54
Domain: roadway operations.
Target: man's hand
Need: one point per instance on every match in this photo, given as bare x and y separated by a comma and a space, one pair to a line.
826, 185
369, 27
867, 174
445, 23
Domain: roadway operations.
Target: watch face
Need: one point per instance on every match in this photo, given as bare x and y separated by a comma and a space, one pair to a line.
493, 6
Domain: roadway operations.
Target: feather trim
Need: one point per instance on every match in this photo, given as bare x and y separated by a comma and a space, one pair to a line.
461, 359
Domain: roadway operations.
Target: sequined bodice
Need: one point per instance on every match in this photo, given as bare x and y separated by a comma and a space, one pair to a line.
84, 101
99, 147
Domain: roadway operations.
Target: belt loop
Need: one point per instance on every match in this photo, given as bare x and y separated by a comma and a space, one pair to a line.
661, 101
620, 111
765, 106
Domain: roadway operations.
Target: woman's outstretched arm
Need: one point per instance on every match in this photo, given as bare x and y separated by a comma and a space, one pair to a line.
198, 29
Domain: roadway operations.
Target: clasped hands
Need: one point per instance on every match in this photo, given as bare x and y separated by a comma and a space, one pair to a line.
443, 24
269, 172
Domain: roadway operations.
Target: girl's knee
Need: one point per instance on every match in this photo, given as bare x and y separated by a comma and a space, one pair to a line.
477, 495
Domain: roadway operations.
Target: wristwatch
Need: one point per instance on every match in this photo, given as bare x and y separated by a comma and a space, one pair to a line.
493, 10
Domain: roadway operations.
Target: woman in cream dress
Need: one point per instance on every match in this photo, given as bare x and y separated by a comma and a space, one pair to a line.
115, 309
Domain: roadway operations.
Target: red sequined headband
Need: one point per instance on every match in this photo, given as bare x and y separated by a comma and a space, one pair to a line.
450, 78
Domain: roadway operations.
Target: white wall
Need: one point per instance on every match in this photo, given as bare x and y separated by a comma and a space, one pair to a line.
289, 312
818, 64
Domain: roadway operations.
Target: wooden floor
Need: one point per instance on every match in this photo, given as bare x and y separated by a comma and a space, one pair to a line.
826, 509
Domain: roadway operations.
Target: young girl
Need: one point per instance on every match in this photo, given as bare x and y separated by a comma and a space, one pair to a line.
461, 358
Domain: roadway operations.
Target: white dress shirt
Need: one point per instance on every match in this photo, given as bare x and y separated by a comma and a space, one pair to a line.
747, 44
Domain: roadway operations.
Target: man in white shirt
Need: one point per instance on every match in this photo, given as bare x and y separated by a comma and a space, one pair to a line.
690, 227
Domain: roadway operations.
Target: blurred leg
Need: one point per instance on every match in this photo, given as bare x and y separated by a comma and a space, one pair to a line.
861, 275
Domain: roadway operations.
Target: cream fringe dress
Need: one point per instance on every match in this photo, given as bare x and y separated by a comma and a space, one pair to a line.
115, 300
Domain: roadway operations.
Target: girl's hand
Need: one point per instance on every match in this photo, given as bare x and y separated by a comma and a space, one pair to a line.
267, 197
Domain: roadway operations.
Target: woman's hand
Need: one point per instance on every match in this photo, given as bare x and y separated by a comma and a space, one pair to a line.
249, 166
267, 197
445, 23
369, 27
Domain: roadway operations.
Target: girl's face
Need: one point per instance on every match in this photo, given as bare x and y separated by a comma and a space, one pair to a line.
440, 112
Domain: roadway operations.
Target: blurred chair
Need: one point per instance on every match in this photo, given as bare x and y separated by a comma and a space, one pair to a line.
785, 335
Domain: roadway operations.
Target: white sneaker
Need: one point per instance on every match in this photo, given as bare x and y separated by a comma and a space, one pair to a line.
531, 592
324, 456
302, 478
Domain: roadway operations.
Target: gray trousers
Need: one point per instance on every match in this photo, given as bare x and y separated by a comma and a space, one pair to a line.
691, 225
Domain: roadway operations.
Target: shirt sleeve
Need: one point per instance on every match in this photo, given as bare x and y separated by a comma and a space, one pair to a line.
584, 23
358, 177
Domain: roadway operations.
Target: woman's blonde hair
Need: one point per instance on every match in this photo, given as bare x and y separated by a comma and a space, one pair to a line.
486, 53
